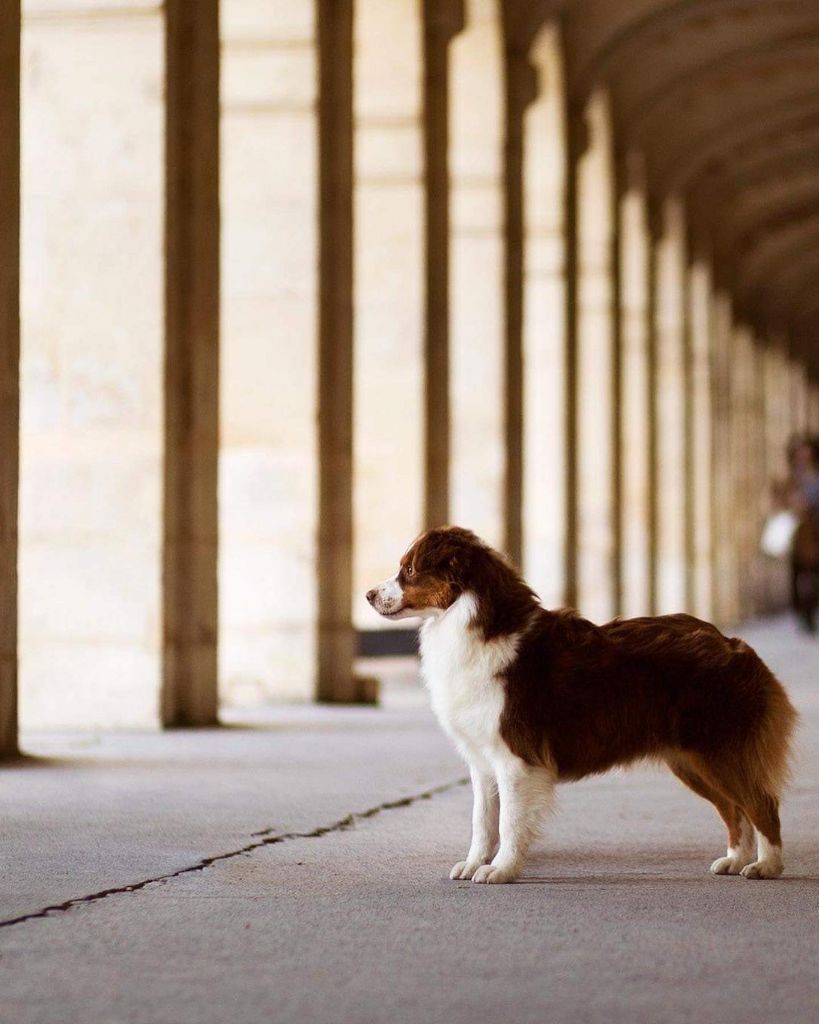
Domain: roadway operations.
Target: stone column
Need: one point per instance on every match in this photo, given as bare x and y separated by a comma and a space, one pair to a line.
744, 498
389, 291
594, 348
669, 345
723, 391
575, 143
9, 365
635, 422
286, 505
543, 338
521, 86
92, 439
443, 19
268, 601
700, 441
336, 637
477, 349
760, 475
190, 606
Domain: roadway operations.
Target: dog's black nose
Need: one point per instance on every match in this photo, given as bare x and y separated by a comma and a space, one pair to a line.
371, 595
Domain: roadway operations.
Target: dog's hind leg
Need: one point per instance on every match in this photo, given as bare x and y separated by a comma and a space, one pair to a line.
740, 831
763, 810
758, 804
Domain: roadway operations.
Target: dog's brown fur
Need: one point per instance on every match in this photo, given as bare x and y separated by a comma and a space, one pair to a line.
582, 698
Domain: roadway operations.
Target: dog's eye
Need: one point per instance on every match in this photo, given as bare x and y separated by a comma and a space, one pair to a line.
409, 571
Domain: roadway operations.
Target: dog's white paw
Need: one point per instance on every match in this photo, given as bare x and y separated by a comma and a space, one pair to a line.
465, 869
727, 866
492, 875
763, 869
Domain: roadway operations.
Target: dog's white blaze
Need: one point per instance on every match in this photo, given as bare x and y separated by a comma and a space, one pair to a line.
389, 598
461, 671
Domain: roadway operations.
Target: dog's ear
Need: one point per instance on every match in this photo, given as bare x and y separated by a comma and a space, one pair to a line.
458, 561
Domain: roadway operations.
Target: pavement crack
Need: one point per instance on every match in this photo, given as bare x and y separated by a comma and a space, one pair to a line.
265, 837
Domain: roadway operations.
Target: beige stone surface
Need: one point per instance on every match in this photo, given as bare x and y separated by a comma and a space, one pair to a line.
268, 469
700, 439
90, 502
725, 603
476, 311
389, 300
670, 476
595, 364
634, 412
742, 457
544, 329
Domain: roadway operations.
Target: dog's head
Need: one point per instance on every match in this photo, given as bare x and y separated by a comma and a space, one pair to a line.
433, 573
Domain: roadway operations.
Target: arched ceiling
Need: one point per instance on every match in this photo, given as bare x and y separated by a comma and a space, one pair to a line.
722, 99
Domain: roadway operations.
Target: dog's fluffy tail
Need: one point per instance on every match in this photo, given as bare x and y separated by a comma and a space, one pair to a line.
769, 750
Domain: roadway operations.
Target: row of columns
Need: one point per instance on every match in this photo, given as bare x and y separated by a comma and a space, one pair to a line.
446, 295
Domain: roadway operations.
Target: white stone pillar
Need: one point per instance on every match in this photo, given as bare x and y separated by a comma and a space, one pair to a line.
92, 360
544, 328
287, 381
700, 436
635, 420
389, 297
743, 458
724, 465
758, 475
595, 370
270, 292
477, 467
669, 472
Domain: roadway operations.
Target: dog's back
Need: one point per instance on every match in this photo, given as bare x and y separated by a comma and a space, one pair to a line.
726, 696
734, 728
584, 698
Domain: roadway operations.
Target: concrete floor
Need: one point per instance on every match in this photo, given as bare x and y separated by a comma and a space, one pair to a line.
296, 871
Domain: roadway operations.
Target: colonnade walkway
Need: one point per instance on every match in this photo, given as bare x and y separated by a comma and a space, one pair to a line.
295, 869
282, 284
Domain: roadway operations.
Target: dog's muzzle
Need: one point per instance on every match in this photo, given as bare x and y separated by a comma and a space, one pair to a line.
387, 598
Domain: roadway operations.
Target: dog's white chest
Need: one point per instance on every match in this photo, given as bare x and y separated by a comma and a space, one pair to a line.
461, 672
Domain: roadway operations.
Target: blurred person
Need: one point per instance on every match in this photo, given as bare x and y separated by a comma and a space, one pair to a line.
803, 499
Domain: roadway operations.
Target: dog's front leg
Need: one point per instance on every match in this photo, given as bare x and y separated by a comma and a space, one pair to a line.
484, 823
525, 796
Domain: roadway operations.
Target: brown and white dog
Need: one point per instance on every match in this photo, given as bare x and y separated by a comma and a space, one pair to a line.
533, 697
